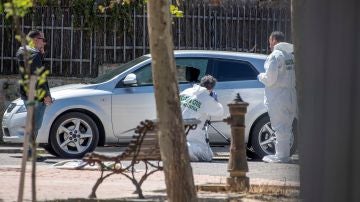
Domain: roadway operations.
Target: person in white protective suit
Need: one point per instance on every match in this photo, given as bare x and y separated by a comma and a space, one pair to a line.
280, 95
200, 102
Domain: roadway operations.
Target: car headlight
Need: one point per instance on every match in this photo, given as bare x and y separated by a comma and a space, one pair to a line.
10, 107
21, 109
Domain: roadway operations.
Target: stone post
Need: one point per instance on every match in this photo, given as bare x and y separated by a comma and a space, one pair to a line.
237, 167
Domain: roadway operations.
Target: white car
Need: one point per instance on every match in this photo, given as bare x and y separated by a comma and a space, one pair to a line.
84, 116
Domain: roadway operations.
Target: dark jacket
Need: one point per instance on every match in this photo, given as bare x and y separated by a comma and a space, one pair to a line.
37, 62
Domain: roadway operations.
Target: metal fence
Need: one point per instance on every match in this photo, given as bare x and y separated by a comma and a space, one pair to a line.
76, 50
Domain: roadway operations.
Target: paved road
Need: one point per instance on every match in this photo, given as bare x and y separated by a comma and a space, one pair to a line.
257, 169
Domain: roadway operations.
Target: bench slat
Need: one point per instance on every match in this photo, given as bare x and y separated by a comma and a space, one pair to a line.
146, 139
143, 157
102, 157
145, 151
145, 144
148, 133
156, 157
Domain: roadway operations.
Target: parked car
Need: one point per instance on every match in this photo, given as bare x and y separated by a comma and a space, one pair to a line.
100, 112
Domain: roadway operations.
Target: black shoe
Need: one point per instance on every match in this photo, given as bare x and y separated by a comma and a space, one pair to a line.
38, 158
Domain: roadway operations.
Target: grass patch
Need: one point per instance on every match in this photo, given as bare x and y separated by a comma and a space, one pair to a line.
262, 192
274, 193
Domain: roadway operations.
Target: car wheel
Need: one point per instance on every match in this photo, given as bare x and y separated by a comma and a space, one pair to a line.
73, 135
49, 149
250, 153
263, 138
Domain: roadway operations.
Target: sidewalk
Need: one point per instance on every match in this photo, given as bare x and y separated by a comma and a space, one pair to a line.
55, 184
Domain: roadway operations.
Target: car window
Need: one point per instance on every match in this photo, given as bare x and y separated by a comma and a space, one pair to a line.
186, 74
144, 76
111, 74
198, 63
183, 66
233, 70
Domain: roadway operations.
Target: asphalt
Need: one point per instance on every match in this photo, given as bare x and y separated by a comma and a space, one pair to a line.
64, 184
13, 149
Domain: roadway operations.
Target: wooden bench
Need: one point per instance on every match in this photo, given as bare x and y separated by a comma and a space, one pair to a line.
144, 147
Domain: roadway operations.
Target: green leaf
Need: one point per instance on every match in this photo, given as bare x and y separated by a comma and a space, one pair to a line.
18, 38
43, 2
17, 7
31, 42
174, 10
8, 10
41, 81
40, 94
179, 14
39, 70
1, 8
101, 8
22, 69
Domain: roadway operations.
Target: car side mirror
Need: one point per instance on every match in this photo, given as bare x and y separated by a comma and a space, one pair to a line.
130, 79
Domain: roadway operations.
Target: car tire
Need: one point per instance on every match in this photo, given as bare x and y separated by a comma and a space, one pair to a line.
250, 153
73, 135
260, 135
49, 149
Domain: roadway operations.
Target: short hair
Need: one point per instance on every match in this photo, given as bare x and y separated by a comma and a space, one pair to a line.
278, 36
208, 82
34, 33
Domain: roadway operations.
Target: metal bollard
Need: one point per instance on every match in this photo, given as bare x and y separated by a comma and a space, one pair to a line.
237, 167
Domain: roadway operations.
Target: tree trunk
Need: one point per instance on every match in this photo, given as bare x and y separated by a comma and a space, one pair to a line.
33, 160
178, 172
28, 131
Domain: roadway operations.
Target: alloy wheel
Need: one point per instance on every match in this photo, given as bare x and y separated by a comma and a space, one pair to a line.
267, 139
74, 135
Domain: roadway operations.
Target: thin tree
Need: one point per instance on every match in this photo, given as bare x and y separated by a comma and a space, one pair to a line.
17, 9
174, 153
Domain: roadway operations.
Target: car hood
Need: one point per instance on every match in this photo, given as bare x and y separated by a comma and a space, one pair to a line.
69, 86
75, 90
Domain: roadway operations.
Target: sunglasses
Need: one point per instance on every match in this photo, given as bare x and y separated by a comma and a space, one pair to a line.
44, 40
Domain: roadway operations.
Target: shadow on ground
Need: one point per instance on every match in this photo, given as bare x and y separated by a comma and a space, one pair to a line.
253, 195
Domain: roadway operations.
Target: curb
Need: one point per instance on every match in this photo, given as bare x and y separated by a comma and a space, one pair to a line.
16, 150
11, 150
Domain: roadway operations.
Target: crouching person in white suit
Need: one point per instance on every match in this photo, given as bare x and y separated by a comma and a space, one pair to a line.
199, 102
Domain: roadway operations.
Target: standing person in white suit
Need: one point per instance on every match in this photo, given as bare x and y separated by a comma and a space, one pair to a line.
200, 102
280, 95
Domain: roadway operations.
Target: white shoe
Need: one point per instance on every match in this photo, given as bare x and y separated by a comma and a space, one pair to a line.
275, 159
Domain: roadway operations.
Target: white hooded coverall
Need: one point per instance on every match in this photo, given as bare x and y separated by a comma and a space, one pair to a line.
197, 103
280, 97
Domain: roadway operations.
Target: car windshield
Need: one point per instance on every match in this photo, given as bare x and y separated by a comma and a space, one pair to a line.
111, 74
